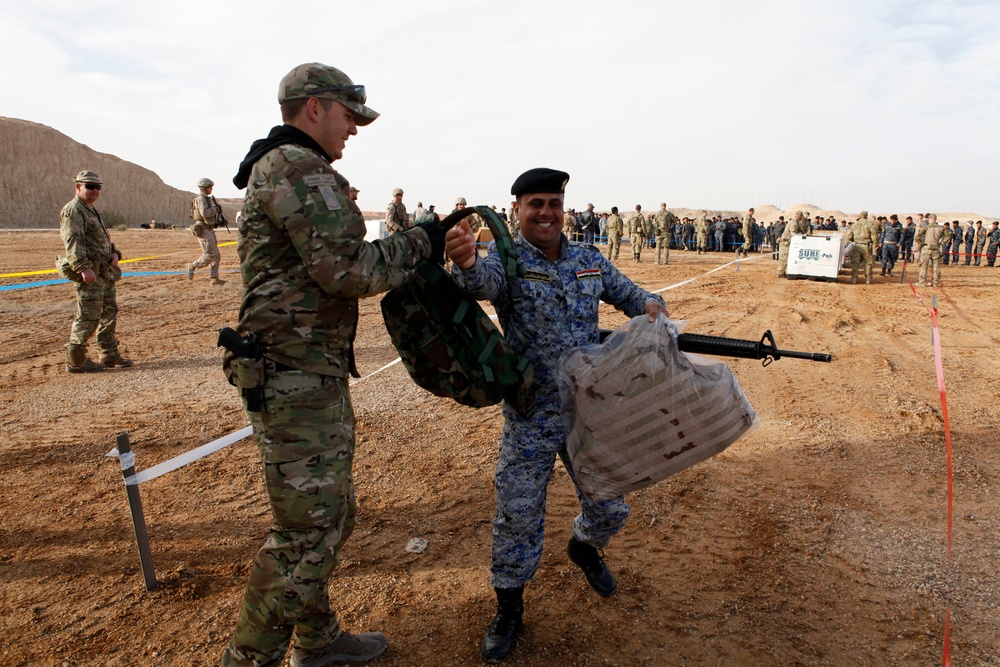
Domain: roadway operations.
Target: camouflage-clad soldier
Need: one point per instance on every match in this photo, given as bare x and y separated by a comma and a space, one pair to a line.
931, 239
513, 225
92, 260
305, 264
663, 222
865, 238
476, 221
701, 231
970, 241
616, 228
636, 224
570, 279
991, 251
396, 217
748, 227
205, 211
956, 241
981, 235
797, 225
719, 231
906, 241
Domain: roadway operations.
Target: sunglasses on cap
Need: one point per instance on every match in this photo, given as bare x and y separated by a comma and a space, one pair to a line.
355, 93
92, 186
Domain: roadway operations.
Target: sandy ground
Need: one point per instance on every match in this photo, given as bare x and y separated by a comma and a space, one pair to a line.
819, 539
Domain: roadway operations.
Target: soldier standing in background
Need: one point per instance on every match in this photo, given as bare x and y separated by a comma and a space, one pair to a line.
616, 227
956, 241
396, 217
636, 223
748, 225
93, 261
353, 193
906, 241
981, 235
663, 222
475, 220
891, 234
305, 264
865, 238
970, 241
931, 240
530, 446
991, 251
588, 224
205, 211
420, 212
701, 231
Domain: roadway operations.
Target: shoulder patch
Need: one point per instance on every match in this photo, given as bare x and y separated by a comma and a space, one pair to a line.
330, 197
588, 273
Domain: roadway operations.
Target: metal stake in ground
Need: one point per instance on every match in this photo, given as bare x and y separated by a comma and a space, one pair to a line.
127, 460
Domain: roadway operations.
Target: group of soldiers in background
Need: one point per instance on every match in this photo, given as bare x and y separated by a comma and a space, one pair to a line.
882, 240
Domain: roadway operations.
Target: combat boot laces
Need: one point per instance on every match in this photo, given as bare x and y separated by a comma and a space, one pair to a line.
590, 560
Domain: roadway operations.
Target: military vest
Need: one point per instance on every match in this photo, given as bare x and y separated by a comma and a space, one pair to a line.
448, 344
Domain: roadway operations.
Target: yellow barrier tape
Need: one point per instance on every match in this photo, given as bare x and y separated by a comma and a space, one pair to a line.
124, 261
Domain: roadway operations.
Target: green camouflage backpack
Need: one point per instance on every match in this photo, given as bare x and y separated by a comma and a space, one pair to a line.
448, 343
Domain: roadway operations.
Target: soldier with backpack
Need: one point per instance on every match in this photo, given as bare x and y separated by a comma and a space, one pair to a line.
559, 277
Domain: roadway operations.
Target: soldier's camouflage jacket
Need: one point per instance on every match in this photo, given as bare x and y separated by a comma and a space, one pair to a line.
88, 244
663, 222
559, 309
305, 263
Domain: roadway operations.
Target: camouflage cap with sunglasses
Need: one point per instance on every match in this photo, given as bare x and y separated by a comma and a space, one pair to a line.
323, 81
87, 176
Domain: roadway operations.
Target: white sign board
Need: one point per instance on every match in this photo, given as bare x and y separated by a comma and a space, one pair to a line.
815, 256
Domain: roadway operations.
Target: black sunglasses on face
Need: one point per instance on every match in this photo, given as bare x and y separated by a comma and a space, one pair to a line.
92, 186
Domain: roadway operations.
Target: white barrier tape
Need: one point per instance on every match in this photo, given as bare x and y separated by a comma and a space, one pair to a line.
186, 457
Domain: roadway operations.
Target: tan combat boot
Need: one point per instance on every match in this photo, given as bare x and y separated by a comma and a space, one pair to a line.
217, 281
77, 361
114, 360
190, 271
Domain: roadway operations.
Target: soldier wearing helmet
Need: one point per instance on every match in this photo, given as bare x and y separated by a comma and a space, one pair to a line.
396, 217
207, 213
476, 221
92, 263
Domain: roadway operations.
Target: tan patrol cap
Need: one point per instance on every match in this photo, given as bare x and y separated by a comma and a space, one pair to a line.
87, 176
460, 200
354, 189
397, 191
323, 81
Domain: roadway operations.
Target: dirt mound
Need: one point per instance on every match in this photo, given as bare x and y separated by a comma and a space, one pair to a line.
37, 166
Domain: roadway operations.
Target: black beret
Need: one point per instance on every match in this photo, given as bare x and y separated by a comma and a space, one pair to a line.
540, 179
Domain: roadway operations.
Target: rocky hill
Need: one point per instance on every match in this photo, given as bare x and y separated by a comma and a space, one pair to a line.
37, 165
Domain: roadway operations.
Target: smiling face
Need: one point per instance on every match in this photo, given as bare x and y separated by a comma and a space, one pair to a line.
88, 196
541, 217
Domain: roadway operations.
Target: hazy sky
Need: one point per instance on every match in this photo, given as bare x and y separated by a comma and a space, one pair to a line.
886, 105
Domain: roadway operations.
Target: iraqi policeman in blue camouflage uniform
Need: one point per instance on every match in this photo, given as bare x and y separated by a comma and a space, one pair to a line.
563, 285
305, 264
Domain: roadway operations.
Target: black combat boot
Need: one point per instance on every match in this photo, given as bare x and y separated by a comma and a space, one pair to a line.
499, 638
589, 560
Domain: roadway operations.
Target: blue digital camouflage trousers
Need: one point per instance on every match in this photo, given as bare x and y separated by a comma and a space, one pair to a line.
305, 434
528, 450
96, 310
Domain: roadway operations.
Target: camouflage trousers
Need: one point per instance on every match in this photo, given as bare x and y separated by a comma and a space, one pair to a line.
890, 255
209, 253
614, 247
305, 435
862, 254
991, 254
636, 242
703, 242
930, 257
528, 450
979, 252
96, 310
782, 257
662, 249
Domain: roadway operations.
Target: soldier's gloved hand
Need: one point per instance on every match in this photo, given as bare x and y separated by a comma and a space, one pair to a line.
436, 235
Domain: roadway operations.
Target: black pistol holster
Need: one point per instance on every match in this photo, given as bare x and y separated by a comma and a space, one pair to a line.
246, 367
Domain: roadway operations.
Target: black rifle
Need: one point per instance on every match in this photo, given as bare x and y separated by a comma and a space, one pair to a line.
248, 366
719, 346
220, 218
